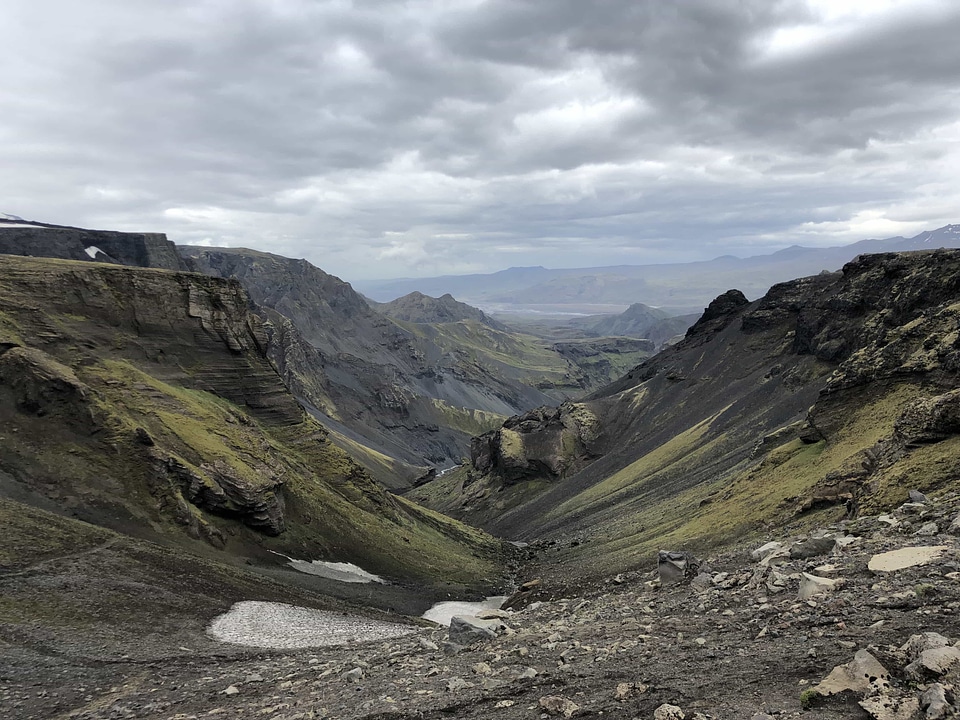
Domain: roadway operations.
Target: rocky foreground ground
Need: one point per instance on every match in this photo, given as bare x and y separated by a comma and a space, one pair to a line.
755, 633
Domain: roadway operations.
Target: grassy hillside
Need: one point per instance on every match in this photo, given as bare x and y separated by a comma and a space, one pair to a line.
140, 401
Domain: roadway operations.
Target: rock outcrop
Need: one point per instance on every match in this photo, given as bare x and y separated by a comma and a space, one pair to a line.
544, 443
69, 243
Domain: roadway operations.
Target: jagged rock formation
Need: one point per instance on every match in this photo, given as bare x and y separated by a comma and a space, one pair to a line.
416, 307
831, 392
69, 243
142, 400
544, 443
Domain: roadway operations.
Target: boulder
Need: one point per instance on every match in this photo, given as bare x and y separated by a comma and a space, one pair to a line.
884, 707
929, 421
904, 558
467, 629
764, 550
933, 702
522, 596
811, 585
811, 547
860, 675
935, 661
668, 712
675, 567
557, 705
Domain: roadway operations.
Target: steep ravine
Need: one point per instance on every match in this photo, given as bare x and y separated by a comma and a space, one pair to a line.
415, 386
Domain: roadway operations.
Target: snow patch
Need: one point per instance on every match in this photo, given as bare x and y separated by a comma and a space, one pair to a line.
22, 225
343, 572
278, 625
339, 571
92, 251
442, 612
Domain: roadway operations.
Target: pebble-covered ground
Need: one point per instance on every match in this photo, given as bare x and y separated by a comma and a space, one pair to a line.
752, 638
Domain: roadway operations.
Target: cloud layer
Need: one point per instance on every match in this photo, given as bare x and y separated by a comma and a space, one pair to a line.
380, 139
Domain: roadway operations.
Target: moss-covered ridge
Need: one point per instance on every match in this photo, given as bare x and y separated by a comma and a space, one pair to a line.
141, 400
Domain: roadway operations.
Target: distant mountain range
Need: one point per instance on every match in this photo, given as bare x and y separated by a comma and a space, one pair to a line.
681, 287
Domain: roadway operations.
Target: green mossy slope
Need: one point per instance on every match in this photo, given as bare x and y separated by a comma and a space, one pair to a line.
140, 401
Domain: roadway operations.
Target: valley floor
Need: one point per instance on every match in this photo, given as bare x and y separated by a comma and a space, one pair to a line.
737, 643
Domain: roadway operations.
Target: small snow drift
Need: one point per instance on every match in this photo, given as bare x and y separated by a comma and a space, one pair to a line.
277, 625
442, 612
339, 571
92, 251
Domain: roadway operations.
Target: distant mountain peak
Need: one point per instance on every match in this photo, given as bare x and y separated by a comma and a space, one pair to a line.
416, 307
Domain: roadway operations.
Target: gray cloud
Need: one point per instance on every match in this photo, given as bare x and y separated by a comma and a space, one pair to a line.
382, 138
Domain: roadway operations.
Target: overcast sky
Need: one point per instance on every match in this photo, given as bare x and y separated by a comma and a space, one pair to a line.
380, 138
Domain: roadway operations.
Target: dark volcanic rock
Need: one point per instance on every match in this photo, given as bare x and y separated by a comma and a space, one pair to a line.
930, 420
138, 249
719, 313
546, 442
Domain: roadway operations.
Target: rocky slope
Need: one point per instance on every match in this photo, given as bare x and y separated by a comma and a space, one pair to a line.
828, 395
142, 401
818, 607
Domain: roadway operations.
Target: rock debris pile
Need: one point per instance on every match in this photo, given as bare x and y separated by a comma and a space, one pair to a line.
819, 625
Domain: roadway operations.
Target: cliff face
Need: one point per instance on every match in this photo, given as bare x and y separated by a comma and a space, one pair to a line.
832, 393
55, 241
143, 401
